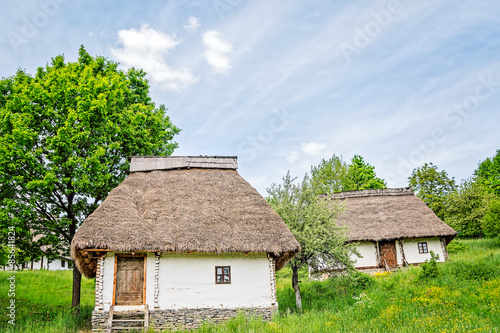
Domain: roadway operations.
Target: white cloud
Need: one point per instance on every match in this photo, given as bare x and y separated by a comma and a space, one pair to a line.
292, 157
146, 48
217, 50
193, 24
313, 148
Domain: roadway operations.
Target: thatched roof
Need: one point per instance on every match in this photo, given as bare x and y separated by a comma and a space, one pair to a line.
206, 208
376, 215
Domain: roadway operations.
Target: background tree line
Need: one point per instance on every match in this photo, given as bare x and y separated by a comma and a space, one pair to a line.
472, 207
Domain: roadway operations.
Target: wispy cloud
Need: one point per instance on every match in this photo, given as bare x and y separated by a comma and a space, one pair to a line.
147, 48
313, 148
192, 25
217, 51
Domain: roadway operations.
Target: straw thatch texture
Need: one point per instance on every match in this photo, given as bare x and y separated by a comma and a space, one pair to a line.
185, 210
377, 216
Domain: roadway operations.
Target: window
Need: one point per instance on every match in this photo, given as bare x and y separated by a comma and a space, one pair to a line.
422, 247
63, 263
222, 274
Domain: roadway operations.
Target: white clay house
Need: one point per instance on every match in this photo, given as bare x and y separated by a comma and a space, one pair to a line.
49, 260
180, 241
393, 227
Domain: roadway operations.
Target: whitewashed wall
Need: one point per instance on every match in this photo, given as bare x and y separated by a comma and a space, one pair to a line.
107, 281
188, 281
399, 256
411, 250
150, 280
54, 265
368, 252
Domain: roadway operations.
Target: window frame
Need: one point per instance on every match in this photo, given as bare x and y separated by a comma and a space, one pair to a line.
423, 247
223, 275
63, 264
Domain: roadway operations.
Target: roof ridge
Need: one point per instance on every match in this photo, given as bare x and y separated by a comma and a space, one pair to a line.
150, 163
373, 192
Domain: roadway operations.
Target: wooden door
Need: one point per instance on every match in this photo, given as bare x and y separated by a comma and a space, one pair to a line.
129, 285
388, 253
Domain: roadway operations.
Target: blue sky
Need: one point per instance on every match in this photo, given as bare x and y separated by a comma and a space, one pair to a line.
283, 84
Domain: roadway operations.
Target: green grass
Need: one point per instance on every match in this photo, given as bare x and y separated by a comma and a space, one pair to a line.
43, 302
463, 297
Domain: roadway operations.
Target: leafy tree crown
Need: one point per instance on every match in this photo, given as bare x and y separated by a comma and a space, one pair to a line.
66, 135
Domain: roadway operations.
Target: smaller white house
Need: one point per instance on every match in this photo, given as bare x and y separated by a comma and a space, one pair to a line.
52, 264
393, 227
180, 241
58, 262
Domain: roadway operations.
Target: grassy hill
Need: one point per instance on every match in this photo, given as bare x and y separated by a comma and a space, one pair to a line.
463, 296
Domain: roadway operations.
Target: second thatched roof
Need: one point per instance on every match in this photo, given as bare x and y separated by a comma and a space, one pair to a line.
386, 214
184, 205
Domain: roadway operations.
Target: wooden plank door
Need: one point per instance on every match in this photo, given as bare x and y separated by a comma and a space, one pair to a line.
129, 285
388, 253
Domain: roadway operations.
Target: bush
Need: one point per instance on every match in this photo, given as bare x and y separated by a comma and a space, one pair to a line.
335, 292
491, 220
362, 280
479, 270
456, 246
429, 267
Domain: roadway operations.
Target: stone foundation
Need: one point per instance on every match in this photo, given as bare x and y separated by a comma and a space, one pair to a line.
186, 318
99, 320
194, 318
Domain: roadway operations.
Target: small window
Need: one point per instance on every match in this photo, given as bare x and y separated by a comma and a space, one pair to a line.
222, 274
422, 247
63, 263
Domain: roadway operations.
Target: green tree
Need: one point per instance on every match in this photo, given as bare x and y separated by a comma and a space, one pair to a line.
432, 186
488, 173
4, 255
362, 176
335, 175
491, 219
312, 221
26, 249
466, 207
330, 176
66, 135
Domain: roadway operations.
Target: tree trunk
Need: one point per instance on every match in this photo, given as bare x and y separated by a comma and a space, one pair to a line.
77, 283
295, 285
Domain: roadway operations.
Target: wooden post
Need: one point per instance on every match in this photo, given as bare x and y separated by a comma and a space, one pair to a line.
145, 274
114, 279
403, 257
